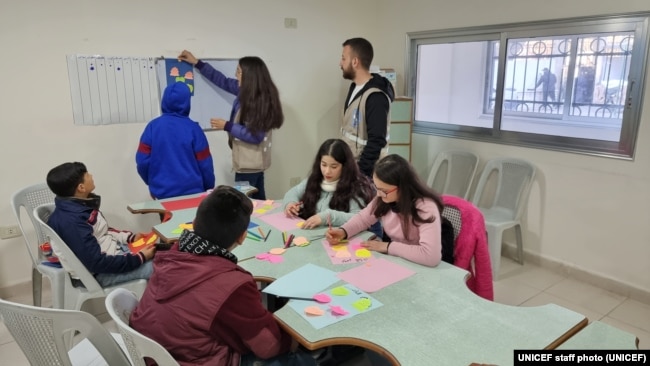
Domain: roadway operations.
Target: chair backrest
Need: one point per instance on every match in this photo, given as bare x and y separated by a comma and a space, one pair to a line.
40, 333
514, 178
452, 172
452, 213
471, 250
68, 259
120, 304
28, 199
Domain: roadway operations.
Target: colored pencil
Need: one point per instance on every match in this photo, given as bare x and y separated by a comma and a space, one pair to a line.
255, 235
289, 240
299, 298
261, 232
253, 238
267, 235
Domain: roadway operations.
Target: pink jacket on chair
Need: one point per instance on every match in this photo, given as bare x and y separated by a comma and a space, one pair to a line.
471, 243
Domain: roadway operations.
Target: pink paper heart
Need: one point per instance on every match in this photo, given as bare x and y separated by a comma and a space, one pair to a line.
275, 258
355, 247
322, 298
337, 310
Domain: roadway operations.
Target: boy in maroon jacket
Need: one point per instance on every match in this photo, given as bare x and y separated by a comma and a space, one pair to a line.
200, 305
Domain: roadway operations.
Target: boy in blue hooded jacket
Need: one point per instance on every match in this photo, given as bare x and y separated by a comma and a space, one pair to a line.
173, 157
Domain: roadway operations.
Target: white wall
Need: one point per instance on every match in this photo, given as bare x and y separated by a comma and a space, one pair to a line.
36, 114
589, 212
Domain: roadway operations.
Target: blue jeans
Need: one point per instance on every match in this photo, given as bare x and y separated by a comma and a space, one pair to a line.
256, 180
377, 229
111, 279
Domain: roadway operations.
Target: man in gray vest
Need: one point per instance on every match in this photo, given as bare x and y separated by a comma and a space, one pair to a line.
366, 113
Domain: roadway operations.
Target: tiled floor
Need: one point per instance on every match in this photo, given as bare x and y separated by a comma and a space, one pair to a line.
526, 285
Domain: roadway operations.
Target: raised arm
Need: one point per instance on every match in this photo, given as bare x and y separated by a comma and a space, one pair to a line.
215, 76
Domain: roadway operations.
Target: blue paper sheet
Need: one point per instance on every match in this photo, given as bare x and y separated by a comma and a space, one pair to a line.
354, 302
179, 71
305, 281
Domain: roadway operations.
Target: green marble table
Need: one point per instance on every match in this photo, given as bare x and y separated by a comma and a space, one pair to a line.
430, 318
598, 335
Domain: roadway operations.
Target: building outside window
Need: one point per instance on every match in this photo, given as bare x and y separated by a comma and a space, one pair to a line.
571, 85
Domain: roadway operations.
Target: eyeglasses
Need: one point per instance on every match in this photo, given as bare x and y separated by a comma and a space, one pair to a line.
381, 193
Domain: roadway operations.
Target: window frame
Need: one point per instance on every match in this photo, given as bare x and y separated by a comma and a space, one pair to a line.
623, 149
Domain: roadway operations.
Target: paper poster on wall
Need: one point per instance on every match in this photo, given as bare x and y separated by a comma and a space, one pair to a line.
208, 100
112, 89
178, 71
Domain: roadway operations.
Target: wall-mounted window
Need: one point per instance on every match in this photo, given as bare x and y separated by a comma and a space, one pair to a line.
571, 85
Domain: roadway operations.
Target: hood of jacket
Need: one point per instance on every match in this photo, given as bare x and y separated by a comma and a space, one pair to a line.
183, 271
176, 99
380, 83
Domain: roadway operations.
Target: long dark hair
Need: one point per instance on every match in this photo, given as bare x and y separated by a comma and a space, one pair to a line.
260, 107
395, 170
351, 185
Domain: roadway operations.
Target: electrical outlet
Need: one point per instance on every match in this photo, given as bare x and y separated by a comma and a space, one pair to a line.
7, 232
294, 181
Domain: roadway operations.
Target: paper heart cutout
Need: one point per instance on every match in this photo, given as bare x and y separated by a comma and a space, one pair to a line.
322, 298
275, 259
314, 311
342, 254
270, 258
340, 291
301, 241
362, 304
338, 310
363, 253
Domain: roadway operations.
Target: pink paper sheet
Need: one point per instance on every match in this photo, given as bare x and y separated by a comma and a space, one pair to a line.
281, 222
351, 252
375, 274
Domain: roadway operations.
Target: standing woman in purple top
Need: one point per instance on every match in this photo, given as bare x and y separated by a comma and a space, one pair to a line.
255, 112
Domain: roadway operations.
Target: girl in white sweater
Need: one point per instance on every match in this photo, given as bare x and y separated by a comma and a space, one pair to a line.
334, 191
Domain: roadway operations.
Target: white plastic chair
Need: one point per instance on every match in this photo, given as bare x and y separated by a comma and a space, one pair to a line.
453, 172
513, 178
29, 198
120, 304
41, 334
76, 296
